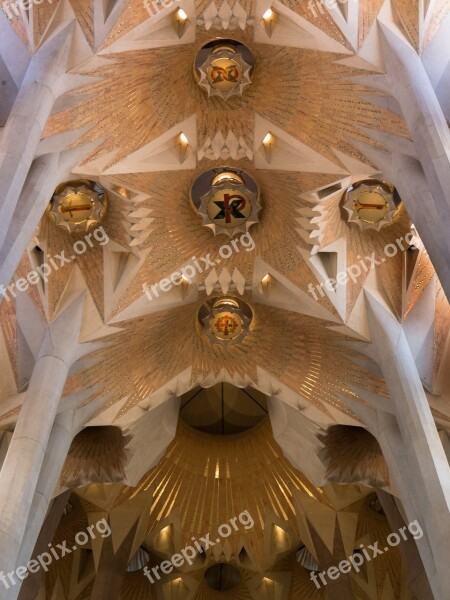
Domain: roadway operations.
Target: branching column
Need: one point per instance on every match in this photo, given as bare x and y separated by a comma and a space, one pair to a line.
23, 130
23, 464
411, 446
57, 450
424, 187
417, 576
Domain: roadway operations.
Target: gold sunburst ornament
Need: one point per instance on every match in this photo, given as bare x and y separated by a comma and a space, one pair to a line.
227, 200
223, 68
225, 320
78, 206
371, 203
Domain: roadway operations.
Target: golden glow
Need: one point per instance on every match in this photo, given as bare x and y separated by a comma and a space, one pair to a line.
224, 302
226, 325
221, 69
224, 47
265, 284
122, 192
225, 320
229, 207
371, 206
224, 73
184, 283
280, 539
183, 145
231, 203
226, 176
370, 203
180, 21
268, 20
177, 585
268, 584
267, 144
77, 206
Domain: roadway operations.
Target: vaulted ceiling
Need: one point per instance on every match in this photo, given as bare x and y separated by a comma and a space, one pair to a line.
127, 94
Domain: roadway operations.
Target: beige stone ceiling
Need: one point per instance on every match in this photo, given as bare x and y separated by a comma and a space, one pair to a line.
227, 473
133, 14
124, 102
128, 96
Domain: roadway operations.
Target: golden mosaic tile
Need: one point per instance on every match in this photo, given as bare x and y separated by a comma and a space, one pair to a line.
361, 244
142, 94
299, 351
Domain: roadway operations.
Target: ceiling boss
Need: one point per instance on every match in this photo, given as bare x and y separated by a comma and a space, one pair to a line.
224, 68
78, 206
371, 203
225, 320
228, 200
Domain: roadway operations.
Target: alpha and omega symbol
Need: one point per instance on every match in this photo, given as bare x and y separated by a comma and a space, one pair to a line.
224, 68
219, 74
223, 72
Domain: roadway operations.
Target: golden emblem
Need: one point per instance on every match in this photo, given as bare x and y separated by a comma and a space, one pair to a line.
231, 202
224, 71
370, 203
226, 320
78, 206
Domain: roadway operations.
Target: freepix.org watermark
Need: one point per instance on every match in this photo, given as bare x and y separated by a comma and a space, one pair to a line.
317, 7
189, 271
53, 263
189, 553
44, 560
12, 9
357, 559
364, 265
157, 4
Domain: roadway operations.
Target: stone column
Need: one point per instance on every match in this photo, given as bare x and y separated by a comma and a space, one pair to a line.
335, 589
112, 567
423, 180
411, 445
38, 190
55, 456
417, 576
23, 130
45, 174
23, 464
32, 583
13, 52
